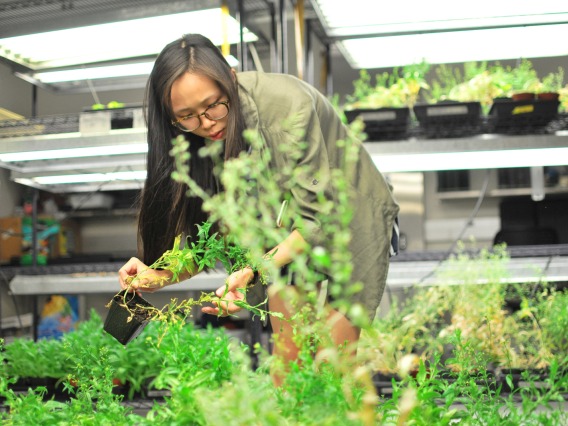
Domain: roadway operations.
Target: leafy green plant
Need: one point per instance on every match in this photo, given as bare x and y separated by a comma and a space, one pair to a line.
476, 82
205, 253
563, 92
400, 88
521, 78
41, 359
552, 82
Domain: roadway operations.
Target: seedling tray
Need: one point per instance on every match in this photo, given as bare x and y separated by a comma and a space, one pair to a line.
382, 123
449, 119
508, 116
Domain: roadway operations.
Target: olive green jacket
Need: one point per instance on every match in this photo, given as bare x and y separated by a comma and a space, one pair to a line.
282, 108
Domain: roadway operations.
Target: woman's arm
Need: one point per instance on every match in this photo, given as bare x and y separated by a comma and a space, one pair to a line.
280, 256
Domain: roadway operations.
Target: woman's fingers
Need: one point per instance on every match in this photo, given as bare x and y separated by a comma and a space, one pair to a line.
225, 303
229, 293
133, 268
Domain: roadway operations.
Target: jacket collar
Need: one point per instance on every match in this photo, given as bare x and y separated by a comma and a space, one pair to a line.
248, 108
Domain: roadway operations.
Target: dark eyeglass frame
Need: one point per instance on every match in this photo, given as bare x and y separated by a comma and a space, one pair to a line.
177, 123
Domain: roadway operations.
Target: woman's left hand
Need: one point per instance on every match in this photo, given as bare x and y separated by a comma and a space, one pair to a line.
228, 293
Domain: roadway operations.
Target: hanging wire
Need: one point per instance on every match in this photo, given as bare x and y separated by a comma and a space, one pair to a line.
468, 223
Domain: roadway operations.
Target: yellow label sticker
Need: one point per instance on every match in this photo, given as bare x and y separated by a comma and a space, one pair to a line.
523, 109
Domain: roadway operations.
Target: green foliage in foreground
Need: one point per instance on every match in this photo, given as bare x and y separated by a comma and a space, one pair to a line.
210, 382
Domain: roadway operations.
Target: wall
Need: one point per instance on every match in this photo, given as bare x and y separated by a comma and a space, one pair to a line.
447, 218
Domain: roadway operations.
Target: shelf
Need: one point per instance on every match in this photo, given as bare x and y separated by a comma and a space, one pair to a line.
521, 270
86, 283
403, 155
122, 150
484, 142
486, 151
529, 269
508, 192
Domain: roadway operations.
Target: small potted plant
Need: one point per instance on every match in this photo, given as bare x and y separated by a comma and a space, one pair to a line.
524, 111
550, 86
385, 106
130, 313
456, 100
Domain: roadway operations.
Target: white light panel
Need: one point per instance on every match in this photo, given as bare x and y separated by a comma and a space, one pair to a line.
96, 151
118, 40
461, 46
375, 17
111, 71
90, 177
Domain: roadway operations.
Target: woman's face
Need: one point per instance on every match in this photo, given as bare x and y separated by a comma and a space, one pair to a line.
192, 94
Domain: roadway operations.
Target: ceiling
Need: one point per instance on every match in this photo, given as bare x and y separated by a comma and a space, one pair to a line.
18, 17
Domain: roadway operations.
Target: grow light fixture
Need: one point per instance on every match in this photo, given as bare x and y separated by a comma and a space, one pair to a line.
446, 47
136, 38
370, 17
442, 31
110, 71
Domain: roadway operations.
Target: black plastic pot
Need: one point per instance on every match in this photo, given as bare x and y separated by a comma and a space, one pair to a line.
128, 314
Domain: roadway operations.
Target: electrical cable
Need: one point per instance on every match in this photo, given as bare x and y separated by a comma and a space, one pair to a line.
468, 223
93, 91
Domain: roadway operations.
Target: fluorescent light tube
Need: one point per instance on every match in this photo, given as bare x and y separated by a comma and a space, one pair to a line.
460, 46
93, 73
95, 151
471, 160
90, 177
373, 17
117, 40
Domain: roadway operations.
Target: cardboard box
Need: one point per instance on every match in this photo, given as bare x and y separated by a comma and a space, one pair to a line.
10, 238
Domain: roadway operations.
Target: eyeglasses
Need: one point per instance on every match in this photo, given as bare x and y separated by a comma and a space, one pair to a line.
191, 122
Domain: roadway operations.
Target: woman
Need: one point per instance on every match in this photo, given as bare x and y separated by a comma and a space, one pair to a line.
193, 91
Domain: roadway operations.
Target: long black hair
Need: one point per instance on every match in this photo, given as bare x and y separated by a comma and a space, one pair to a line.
165, 210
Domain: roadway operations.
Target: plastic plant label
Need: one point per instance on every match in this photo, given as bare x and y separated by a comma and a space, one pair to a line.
95, 122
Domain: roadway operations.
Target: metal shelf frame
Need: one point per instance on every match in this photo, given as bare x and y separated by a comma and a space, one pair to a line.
25, 171
101, 162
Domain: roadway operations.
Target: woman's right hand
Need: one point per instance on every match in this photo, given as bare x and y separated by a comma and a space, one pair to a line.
136, 276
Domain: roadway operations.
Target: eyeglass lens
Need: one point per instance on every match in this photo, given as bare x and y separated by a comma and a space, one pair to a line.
214, 112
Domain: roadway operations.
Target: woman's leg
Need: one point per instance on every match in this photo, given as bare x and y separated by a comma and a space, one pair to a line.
343, 334
284, 348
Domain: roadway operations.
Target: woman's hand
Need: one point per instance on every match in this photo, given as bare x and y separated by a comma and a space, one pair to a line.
135, 275
230, 292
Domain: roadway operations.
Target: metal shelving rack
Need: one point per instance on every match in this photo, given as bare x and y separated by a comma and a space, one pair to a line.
406, 270
103, 142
